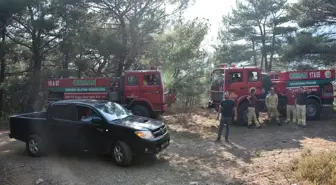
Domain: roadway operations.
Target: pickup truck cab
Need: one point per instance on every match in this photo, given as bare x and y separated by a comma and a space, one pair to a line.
98, 125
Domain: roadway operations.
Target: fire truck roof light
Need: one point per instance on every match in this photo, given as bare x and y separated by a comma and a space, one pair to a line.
222, 65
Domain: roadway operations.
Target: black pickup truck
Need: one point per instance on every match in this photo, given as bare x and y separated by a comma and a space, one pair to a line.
101, 126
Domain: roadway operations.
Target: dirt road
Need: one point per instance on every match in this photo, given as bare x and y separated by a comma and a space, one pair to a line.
252, 157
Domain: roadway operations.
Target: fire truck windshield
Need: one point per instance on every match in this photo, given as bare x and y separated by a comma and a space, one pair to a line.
217, 77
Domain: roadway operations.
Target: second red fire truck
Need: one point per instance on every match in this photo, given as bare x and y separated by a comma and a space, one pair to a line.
240, 80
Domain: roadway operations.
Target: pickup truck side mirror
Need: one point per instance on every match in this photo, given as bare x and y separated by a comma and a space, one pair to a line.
230, 81
96, 120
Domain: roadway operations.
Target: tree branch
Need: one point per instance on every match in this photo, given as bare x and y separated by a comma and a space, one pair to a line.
19, 42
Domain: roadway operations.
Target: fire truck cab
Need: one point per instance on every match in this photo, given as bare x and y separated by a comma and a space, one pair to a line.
239, 81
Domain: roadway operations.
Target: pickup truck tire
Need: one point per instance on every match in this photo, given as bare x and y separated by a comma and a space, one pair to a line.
122, 154
140, 110
35, 146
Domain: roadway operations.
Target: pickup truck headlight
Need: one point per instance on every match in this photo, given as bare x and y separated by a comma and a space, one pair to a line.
144, 134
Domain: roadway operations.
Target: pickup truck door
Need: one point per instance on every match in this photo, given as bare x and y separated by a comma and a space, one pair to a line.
93, 134
96, 135
63, 127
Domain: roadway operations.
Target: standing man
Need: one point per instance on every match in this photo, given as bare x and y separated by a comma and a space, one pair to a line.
272, 106
251, 113
228, 109
301, 101
290, 107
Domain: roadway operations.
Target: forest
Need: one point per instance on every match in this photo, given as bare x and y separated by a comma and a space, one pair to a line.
44, 39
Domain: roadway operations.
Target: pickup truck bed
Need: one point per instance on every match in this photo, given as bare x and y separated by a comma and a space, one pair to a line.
33, 123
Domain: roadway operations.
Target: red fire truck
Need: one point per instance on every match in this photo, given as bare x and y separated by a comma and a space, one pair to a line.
240, 81
142, 92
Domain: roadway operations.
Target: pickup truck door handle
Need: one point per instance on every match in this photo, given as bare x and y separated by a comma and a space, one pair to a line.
100, 129
242, 88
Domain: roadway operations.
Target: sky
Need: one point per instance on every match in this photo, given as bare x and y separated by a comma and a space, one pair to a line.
212, 10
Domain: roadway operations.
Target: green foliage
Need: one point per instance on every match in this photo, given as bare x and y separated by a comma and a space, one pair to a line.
183, 62
43, 39
315, 13
254, 31
317, 42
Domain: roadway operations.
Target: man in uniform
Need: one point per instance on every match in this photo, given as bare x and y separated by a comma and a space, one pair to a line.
251, 113
272, 106
290, 107
228, 109
301, 101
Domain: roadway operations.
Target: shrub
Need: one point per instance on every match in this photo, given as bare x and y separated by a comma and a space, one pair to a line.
318, 168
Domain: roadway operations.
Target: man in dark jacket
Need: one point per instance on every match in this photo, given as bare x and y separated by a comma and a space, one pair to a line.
228, 110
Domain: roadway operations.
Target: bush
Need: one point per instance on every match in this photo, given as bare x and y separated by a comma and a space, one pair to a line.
318, 168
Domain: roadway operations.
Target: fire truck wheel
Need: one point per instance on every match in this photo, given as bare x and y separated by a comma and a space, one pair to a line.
242, 114
313, 109
140, 110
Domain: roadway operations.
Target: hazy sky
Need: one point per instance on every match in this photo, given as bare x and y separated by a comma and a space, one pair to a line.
212, 10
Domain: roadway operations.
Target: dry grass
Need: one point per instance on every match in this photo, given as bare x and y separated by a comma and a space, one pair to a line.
201, 121
268, 162
316, 168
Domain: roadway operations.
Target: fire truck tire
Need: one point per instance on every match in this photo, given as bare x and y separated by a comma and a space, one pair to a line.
140, 111
242, 114
313, 109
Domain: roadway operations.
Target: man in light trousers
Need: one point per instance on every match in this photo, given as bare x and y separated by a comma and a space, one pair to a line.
301, 101
251, 113
272, 106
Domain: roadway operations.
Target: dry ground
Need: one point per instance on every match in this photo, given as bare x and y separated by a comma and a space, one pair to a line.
252, 157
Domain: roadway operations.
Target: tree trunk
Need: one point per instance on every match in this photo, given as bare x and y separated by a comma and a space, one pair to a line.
35, 86
123, 58
36, 77
2, 68
272, 52
254, 53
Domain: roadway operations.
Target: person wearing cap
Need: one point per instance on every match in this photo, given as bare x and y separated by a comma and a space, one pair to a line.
272, 106
290, 107
251, 110
301, 101
228, 111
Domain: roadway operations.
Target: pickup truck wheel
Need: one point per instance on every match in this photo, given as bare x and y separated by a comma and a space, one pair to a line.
122, 154
35, 146
140, 111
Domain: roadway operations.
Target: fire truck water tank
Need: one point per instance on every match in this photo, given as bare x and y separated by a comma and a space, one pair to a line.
114, 96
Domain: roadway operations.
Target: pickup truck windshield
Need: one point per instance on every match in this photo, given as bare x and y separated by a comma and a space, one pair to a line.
113, 111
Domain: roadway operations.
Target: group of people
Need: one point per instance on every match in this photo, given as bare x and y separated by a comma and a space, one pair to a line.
296, 105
